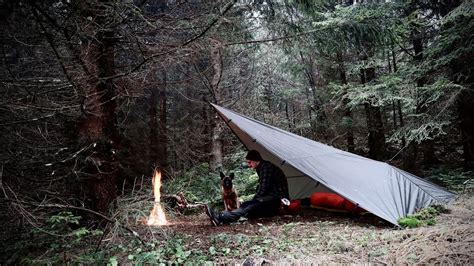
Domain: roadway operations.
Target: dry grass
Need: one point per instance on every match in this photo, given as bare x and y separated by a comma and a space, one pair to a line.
312, 237
330, 238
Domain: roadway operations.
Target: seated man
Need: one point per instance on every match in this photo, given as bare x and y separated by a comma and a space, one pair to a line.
272, 187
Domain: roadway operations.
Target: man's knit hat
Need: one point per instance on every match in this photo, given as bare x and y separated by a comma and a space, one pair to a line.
254, 155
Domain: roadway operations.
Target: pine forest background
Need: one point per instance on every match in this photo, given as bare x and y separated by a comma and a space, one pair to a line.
96, 94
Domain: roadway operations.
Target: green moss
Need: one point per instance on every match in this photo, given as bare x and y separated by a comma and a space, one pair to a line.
409, 222
423, 217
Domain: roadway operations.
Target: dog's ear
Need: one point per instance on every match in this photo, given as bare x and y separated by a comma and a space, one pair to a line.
231, 175
222, 175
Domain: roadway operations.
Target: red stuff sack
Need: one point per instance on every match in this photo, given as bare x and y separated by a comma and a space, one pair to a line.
333, 201
295, 206
327, 200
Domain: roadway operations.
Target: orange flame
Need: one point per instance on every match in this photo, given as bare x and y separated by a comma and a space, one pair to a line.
157, 215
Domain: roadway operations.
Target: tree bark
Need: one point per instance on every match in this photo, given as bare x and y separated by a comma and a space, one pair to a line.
466, 125
314, 102
153, 124
158, 128
347, 111
288, 116
98, 127
376, 139
217, 152
163, 130
427, 146
206, 129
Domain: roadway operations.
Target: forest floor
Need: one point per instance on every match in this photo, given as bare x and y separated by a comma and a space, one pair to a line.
321, 237
310, 237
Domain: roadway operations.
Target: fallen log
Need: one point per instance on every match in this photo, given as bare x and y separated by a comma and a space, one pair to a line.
178, 201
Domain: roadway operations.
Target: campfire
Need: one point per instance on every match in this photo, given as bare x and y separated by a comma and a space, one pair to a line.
157, 215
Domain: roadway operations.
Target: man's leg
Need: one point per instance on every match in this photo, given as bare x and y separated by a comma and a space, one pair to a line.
227, 217
264, 208
231, 216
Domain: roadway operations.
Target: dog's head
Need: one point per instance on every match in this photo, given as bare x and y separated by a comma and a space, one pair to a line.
226, 181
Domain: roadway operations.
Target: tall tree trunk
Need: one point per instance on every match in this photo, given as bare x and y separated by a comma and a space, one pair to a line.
427, 146
461, 70
163, 130
206, 130
347, 111
217, 146
466, 118
288, 116
153, 124
314, 101
158, 128
98, 127
398, 103
376, 141
394, 109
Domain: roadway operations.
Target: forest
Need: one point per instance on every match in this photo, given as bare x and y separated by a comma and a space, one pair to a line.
96, 95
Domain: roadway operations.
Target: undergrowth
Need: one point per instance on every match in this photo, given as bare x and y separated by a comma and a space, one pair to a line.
456, 179
65, 239
53, 242
198, 185
425, 216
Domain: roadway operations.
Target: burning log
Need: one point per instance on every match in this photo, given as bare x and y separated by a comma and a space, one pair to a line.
176, 201
179, 202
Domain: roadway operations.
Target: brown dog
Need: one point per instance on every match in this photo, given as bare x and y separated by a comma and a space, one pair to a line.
229, 195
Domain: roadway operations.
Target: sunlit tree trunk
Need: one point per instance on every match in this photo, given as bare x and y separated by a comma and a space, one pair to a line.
217, 131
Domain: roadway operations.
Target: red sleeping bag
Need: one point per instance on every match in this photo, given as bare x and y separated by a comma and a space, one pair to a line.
333, 201
295, 206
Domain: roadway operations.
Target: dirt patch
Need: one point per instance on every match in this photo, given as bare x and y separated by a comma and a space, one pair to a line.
316, 236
